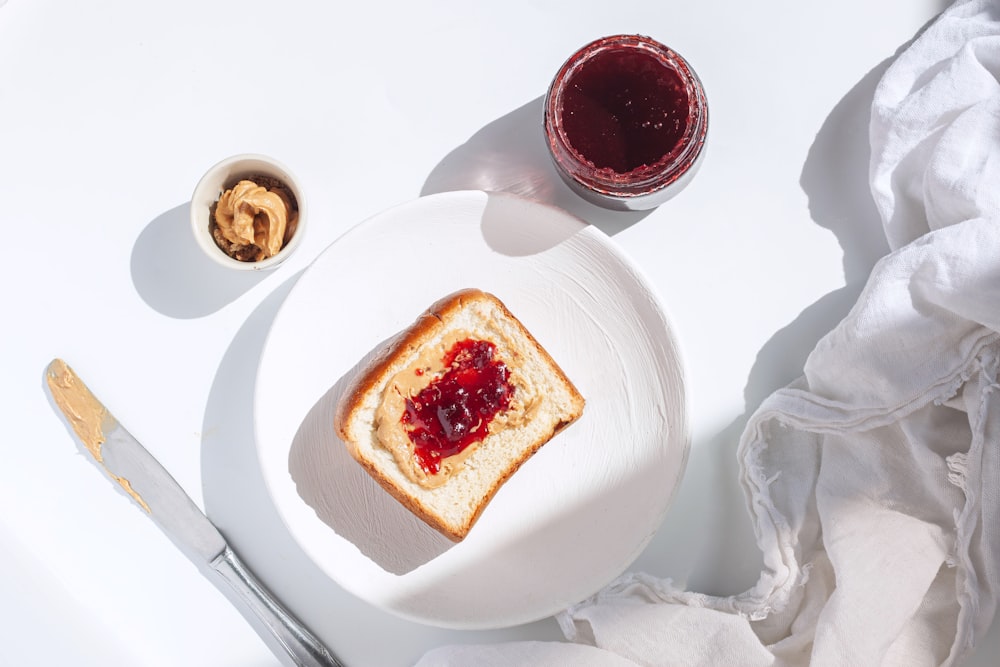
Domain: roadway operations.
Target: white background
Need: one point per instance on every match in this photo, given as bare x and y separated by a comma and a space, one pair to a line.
110, 111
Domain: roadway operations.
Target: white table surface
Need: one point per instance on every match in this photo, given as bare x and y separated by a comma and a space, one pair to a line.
111, 110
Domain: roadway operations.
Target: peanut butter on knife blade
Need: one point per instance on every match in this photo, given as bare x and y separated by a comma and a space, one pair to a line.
87, 416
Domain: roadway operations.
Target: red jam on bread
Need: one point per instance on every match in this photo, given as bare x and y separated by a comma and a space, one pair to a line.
455, 410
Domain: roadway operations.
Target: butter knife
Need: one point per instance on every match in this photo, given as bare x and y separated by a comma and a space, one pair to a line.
162, 498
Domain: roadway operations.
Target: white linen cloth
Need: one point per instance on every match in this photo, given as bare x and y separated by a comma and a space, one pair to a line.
874, 480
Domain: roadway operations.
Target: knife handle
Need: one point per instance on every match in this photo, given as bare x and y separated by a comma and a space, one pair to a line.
303, 647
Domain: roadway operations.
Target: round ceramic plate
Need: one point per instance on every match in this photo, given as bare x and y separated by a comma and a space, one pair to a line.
577, 513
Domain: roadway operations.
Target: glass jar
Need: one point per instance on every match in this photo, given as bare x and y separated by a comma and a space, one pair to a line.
626, 121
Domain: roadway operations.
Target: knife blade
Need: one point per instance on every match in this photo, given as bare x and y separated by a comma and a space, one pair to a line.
156, 492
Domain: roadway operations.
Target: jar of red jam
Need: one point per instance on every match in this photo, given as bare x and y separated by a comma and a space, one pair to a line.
626, 120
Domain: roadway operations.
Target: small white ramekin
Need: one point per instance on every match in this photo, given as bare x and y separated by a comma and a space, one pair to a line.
226, 174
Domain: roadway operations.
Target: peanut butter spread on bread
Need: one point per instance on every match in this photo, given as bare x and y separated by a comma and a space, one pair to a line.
422, 370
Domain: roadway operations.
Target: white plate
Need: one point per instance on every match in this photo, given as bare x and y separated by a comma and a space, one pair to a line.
576, 514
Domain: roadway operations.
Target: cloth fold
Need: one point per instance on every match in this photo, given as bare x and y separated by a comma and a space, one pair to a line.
873, 481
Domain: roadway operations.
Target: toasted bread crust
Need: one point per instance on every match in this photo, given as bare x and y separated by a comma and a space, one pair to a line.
392, 357
380, 368
413, 504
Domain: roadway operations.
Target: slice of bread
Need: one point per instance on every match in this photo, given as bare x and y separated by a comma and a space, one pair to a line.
369, 416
